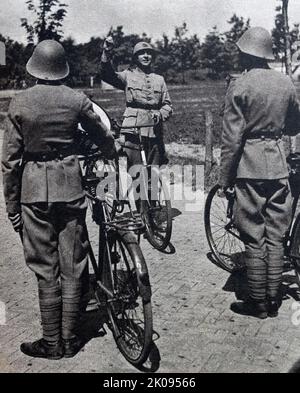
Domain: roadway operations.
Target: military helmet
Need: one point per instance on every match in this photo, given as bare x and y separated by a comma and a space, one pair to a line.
140, 46
48, 61
257, 42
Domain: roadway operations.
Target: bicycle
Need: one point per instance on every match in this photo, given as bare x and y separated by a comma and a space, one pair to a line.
121, 280
156, 212
223, 238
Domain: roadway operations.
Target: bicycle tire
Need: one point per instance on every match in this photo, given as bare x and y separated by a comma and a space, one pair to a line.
155, 215
130, 311
226, 246
293, 248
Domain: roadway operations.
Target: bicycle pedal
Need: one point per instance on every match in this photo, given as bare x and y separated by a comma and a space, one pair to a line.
92, 305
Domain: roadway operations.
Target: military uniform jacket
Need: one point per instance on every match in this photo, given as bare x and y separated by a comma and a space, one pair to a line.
146, 94
259, 100
44, 119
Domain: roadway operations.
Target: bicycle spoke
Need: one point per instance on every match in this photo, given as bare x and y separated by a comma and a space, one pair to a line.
218, 230
218, 218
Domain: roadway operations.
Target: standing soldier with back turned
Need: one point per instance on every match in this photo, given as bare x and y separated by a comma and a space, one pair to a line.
44, 195
260, 107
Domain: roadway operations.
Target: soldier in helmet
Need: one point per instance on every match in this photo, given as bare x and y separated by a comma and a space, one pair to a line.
147, 102
44, 196
260, 106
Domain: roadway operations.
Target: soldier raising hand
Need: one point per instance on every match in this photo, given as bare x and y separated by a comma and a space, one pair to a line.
147, 101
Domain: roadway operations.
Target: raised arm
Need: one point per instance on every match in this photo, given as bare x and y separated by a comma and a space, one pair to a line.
107, 72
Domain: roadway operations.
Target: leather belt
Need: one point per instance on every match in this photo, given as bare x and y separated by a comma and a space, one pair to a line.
142, 106
265, 135
132, 138
49, 155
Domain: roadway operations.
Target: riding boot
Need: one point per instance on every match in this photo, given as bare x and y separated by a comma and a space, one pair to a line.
251, 307
273, 307
51, 308
50, 346
256, 304
274, 278
257, 277
71, 300
85, 297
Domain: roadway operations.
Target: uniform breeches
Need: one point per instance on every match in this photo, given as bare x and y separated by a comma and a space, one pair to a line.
154, 150
55, 248
262, 214
155, 156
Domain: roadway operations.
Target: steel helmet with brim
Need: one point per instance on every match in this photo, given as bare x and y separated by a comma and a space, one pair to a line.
257, 42
141, 46
48, 61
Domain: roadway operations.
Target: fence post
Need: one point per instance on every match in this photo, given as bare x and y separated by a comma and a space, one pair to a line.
208, 148
2, 54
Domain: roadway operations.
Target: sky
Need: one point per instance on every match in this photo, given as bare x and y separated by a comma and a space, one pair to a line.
93, 18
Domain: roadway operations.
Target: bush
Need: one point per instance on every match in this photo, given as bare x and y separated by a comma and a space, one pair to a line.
198, 75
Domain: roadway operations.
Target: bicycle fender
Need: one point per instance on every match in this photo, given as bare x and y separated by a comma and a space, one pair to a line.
141, 267
144, 282
295, 240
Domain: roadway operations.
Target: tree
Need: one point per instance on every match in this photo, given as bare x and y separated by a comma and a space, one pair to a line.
185, 51
238, 27
14, 72
214, 56
164, 60
49, 16
179, 54
279, 35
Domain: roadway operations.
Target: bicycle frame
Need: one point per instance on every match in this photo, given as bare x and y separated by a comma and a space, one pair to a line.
138, 132
290, 235
98, 267
142, 148
102, 218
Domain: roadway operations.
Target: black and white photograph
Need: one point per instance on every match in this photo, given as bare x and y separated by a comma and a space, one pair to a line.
149, 189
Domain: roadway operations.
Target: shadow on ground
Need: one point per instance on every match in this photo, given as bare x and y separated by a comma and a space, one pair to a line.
295, 368
238, 283
92, 324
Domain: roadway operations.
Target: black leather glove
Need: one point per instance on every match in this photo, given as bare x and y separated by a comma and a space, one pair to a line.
17, 221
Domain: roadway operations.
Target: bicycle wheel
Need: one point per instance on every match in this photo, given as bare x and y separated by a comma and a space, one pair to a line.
157, 215
130, 309
293, 249
221, 233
